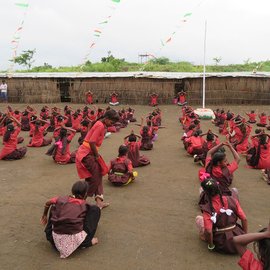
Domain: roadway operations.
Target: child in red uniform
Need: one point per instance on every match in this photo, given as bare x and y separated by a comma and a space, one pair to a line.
89, 163
76, 121
114, 99
240, 135
38, 139
89, 98
182, 98
263, 120
252, 117
195, 143
72, 221
134, 151
60, 150
262, 242
10, 151
217, 166
153, 100
210, 142
121, 169
218, 223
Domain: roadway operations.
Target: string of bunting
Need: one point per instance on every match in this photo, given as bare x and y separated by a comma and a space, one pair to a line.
17, 36
183, 20
98, 31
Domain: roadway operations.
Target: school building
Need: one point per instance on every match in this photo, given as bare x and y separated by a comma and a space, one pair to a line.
135, 87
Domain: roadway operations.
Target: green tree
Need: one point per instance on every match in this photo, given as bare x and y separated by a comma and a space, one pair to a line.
217, 60
161, 61
25, 59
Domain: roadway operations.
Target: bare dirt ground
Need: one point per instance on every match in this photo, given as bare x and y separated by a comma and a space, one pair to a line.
149, 224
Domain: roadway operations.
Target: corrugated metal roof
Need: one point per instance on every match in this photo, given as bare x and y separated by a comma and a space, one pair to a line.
155, 75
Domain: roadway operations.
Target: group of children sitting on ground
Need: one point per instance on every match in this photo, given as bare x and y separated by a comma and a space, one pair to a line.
72, 222
219, 201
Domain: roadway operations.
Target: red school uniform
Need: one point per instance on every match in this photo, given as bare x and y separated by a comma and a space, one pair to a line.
76, 122
248, 262
11, 144
94, 135
252, 117
217, 205
38, 136
217, 171
64, 158
263, 119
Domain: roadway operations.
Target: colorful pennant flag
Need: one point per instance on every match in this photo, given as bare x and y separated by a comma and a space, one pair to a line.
24, 5
188, 14
97, 31
103, 22
116, 1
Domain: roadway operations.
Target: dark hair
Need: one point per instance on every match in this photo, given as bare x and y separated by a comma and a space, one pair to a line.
196, 122
85, 123
122, 151
145, 130
132, 138
37, 124
79, 189
192, 126
111, 115
210, 137
60, 118
252, 111
63, 133
258, 131
10, 129
217, 157
197, 133
211, 189
262, 248
263, 140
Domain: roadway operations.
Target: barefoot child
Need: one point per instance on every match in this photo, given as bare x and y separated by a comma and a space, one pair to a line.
72, 221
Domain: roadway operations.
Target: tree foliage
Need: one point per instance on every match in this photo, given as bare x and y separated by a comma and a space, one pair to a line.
25, 59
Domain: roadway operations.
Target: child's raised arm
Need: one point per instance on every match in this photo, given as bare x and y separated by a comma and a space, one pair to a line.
241, 241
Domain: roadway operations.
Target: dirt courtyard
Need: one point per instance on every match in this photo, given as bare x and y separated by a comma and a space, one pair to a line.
149, 224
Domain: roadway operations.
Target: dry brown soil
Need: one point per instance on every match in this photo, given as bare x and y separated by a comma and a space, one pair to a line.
150, 223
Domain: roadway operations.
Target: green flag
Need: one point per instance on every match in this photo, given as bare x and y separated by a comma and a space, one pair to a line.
22, 5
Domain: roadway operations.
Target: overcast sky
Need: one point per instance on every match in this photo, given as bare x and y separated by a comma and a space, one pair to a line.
61, 31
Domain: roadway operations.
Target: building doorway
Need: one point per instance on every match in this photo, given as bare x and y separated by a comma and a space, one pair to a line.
64, 86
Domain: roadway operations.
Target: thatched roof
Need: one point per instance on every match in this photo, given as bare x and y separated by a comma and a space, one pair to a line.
154, 75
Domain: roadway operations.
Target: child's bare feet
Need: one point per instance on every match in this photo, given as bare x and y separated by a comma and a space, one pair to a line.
94, 241
102, 205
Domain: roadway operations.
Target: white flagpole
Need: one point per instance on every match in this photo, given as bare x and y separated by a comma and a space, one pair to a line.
205, 32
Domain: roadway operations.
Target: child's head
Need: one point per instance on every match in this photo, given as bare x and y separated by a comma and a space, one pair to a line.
197, 133
258, 131
132, 138
60, 118
10, 129
85, 123
63, 133
145, 129
252, 111
110, 117
210, 187
210, 137
262, 248
191, 127
122, 151
219, 159
79, 189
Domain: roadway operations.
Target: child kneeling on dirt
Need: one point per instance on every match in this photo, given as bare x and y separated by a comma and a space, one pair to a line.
121, 169
72, 221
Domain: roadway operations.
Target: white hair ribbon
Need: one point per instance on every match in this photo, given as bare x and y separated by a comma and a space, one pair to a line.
227, 211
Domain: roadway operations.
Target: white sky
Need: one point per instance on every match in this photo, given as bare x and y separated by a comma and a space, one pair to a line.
62, 30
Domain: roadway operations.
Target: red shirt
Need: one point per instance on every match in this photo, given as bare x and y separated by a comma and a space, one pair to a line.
11, 144
76, 122
217, 171
96, 134
38, 136
263, 119
122, 160
217, 205
64, 158
196, 142
70, 199
252, 117
248, 262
